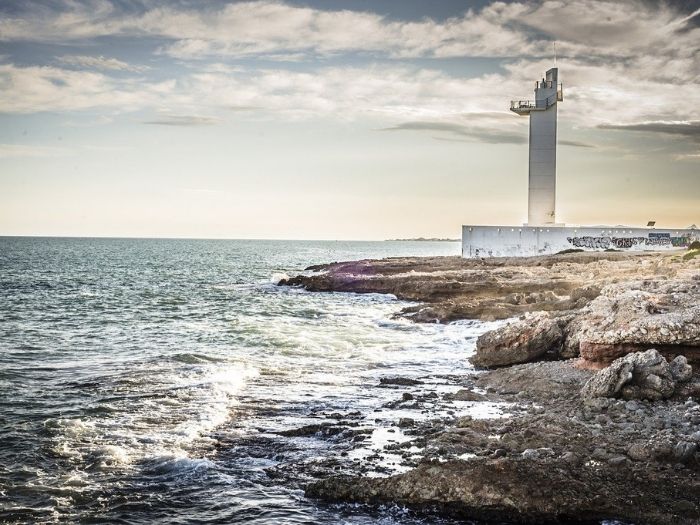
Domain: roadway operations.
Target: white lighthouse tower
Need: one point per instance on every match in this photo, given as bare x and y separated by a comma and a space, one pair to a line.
542, 235
543, 148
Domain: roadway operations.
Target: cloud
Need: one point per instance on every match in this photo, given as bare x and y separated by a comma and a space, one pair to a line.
687, 129
452, 131
283, 31
184, 120
47, 88
585, 29
621, 62
9, 151
689, 156
460, 130
98, 62
576, 144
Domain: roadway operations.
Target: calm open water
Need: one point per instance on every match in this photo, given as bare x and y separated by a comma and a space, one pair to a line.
144, 381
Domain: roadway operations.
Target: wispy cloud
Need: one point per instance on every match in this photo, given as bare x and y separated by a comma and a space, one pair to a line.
460, 130
8, 151
687, 129
576, 144
99, 62
184, 120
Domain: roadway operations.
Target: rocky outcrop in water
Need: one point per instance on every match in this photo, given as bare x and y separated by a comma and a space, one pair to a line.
605, 304
559, 458
451, 288
622, 443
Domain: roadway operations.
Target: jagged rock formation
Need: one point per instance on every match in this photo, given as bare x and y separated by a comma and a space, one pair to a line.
640, 375
518, 342
638, 315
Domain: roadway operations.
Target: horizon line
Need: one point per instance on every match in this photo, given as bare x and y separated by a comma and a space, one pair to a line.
155, 238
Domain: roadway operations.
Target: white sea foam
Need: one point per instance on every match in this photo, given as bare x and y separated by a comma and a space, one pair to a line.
197, 399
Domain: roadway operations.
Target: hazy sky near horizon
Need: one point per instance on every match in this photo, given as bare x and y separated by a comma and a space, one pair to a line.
335, 119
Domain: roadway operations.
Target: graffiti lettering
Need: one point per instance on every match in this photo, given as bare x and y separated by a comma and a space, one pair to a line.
590, 242
625, 243
658, 241
680, 242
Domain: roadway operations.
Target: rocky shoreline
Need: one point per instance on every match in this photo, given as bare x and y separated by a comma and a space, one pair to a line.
595, 370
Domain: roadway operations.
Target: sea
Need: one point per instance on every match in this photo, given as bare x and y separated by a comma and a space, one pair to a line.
149, 380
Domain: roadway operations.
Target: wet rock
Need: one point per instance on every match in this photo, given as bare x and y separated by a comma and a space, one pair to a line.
465, 395
400, 381
518, 342
512, 490
406, 422
323, 430
641, 375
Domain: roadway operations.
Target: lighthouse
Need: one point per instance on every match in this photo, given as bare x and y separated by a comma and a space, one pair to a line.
542, 176
542, 235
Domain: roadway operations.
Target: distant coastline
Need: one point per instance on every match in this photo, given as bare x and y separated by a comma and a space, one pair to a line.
425, 239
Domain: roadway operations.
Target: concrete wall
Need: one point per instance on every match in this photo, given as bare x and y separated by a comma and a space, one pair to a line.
500, 241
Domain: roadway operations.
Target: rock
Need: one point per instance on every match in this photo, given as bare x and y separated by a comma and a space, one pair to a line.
518, 342
322, 430
617, 461
639, 452
530, 453
689, 389
684, 451
508, 489
401, 381
464, 421
406, 422
465, 395
407, 397
572, 334
680, 369
641, 375
639, 315
570, 457
589, 292
609, 381
632, 406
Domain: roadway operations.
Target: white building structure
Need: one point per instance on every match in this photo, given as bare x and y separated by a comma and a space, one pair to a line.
542, 177
541, 234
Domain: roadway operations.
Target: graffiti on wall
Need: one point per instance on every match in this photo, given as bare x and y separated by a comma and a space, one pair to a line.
625, 243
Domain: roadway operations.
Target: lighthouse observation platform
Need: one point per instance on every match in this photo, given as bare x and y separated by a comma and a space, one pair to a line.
520, 241
525, 107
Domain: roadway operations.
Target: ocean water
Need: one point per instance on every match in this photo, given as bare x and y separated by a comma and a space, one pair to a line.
147, 381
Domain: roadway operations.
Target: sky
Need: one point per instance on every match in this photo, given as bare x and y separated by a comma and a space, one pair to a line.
336, 119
